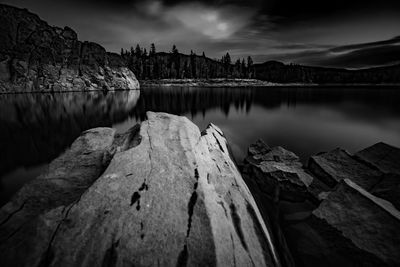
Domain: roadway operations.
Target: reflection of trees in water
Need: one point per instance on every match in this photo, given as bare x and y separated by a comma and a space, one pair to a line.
184, 100
36, 128
200, 100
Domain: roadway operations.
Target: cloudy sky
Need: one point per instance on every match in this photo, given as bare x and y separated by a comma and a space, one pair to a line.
335, 33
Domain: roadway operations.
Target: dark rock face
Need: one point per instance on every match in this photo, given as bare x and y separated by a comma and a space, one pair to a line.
344, 224
336, 165
387, 159
162, 194
275, 174
37, 57
372, 224
383, 156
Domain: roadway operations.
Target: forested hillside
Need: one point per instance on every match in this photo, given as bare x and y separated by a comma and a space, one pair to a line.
174, 65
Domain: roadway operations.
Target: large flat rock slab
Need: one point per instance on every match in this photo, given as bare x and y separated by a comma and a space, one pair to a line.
383, 156
370, 223
170, 196
338, 164
389, 189
351, 227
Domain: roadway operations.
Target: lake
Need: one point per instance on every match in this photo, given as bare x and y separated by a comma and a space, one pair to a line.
36, 128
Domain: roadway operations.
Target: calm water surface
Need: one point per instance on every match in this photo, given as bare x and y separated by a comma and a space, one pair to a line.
36, 128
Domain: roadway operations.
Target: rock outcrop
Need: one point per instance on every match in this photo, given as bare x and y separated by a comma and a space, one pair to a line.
36, 57
42, 126
168, 196
343, 210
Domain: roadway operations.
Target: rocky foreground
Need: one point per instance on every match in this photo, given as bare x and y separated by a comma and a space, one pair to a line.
162, 194
36, 57
340, 210
166, 194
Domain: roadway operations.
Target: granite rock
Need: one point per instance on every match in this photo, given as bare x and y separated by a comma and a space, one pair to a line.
169, 196
383, 156
36, 57
338, 164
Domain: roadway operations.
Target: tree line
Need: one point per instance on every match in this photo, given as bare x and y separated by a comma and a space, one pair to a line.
175, 65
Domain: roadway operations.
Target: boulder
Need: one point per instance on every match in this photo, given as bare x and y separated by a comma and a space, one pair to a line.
389, 189
278, 182
350, 228
35, 56
278, 172
338, 164
345, 225
382, 156
169, 196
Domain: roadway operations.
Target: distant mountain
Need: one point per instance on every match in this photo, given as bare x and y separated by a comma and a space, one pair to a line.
37, 57
275, 71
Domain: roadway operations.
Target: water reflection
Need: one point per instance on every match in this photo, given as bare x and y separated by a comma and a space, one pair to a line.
34, 129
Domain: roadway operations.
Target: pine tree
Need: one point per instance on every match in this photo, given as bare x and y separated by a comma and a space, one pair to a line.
138, 51
174, 50
152, 49
250, 69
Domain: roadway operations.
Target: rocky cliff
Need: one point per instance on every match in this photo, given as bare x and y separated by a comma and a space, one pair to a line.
162, 194
37, 57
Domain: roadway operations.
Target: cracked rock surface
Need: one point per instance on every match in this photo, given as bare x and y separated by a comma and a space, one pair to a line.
36, 57
348, 214
162, 194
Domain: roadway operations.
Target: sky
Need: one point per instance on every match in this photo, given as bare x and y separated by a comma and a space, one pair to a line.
330, 33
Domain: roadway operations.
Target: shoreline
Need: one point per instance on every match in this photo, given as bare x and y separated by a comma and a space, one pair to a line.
220, 83
210, 83
64, 92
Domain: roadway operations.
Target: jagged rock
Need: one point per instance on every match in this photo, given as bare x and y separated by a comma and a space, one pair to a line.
278, 171
386, 158
338, 164
37, 57
170, 196
350, 228
382, 156
276, 178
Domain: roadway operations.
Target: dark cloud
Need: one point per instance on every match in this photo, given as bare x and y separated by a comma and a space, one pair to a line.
386, 52
332, 33
346, 48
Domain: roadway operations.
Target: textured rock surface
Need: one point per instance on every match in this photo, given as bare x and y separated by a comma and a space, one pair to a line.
66, 179
370, 223
170, 196
350, 226
383, 156
389, 189
275, 175
338, 164
37, 57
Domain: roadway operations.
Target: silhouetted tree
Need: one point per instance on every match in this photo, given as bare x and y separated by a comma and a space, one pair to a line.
174, 50
152, 49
